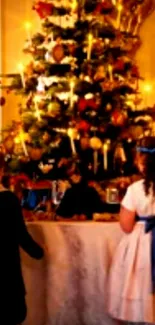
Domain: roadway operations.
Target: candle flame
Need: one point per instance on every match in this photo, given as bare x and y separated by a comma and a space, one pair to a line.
105, 147
70, 132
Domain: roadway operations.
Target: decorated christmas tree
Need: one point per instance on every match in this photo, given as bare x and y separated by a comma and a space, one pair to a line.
81, 89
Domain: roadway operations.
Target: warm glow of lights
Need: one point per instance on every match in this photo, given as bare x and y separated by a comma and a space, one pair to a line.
105, 147
147, 88
74, 5
107, 41
90, 38
70, 132
28, 25
17, 139
72, 84
37, 114
119, 7
21, 67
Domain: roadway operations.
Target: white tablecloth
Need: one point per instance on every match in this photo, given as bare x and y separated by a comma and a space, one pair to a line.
69, 286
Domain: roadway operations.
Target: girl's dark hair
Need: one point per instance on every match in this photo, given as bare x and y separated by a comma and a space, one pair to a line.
148, 162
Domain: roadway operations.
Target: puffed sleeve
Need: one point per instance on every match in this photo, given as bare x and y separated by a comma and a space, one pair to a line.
128, 201
24, 238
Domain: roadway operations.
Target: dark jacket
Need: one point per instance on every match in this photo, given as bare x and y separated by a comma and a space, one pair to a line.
13, 235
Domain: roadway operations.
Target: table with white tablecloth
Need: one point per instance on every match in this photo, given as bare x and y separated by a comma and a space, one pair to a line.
68, 287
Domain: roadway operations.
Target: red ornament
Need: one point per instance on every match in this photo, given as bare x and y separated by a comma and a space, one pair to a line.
83, 126
2, 101
71, 48
44, 9
58, 53
104, 6
83, 104
119, 65
135, 71
119, 118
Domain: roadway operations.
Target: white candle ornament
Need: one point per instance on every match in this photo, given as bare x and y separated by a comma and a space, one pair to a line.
72, 84
129, 25
20, 140
120, 8
105, 156
71, 134
110, 70
95, 161
23, 143
137, 25
90, 43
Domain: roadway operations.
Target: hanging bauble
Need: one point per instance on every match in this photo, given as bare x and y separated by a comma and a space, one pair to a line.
84, 142
119, 118
135, 72
58, 53
100, 73
108, 107
119, 65
39, 67
29, 69
46, 137
36, 153
33, 132
18, 149
44, 9
83, 126
84, 103
136, 131
9, 144
119, 153
71, 48
95, 143
105, 7
137, 101
41, 124
41, 104
53, 109
2, 101
73, 133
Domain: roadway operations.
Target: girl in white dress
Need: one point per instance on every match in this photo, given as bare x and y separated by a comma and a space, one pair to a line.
132, 275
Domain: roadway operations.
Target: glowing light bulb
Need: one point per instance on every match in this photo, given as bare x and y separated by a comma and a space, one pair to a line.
21, 67
119, 7
74, 5
28, 27
17, 140
148, 88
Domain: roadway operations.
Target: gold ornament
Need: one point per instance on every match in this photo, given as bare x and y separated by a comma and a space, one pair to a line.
36, 153
95, 143
53, 109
